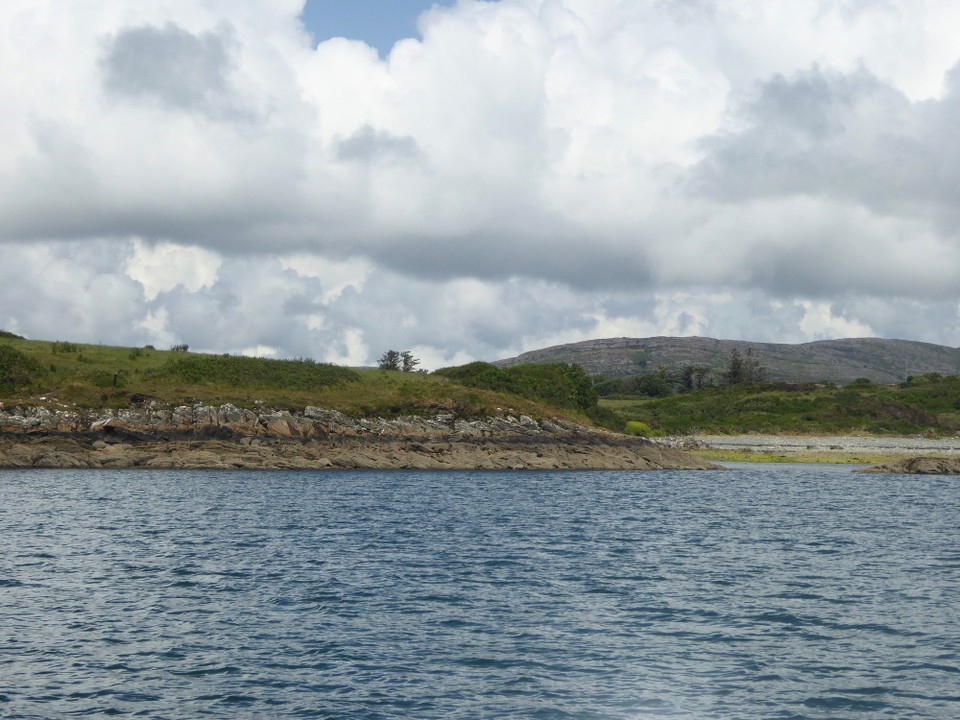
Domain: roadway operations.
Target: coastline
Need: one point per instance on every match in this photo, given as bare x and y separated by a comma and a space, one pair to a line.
916, 455
227, 437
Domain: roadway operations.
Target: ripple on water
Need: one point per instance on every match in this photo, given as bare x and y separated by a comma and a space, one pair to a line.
786, 593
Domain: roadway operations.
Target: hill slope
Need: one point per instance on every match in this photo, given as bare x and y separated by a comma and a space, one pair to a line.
836, 361
63, 374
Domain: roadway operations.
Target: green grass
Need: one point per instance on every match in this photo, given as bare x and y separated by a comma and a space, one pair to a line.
925, 405
93, 376
558, 384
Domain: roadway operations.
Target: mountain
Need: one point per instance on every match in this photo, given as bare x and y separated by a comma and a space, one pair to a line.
834, 361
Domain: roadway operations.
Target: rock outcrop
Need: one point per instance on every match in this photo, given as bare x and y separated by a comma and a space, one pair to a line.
228, 437
919, 466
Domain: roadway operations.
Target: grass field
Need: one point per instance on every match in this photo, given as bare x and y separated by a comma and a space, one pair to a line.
92, 376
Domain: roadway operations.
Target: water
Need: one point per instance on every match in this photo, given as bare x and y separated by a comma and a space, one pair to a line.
776, 592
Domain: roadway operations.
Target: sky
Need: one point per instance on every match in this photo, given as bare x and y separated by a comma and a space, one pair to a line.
470, 180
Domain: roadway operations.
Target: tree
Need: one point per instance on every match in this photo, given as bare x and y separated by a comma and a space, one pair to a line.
743, 369
408, 361
653, 386
399, 361
734, 374
390, 360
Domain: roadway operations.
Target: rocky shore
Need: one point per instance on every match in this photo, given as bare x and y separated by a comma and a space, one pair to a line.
826, 444
908, 455
228, 437
918, 466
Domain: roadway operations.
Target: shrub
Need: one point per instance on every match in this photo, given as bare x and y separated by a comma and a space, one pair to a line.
638, 429
17, 370
605, 417
557, 384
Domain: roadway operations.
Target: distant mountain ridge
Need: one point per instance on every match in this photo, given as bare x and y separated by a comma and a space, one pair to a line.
834, 361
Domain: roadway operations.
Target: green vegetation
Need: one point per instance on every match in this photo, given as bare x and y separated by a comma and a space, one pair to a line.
92, 376
557, 384
638, 429
248, 372
929, 404
398, 361
17, 370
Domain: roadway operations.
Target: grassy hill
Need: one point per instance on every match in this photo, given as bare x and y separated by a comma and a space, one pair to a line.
92, 376
58, 374
926, 404
832, 361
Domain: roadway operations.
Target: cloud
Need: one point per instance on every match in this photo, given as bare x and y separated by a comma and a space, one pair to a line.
528, 171
367, 144
177, 69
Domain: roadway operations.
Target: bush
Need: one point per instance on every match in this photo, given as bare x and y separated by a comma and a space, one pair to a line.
64, 347
605, 417
638, 429
10, 336
557, 384
654, 386
17, 370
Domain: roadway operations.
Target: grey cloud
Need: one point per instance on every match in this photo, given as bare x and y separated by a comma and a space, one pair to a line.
173, 67
937, 322
550, 251
368, 144
840, 136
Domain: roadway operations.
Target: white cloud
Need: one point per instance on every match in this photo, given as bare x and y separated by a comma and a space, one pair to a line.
530, 171
164, 266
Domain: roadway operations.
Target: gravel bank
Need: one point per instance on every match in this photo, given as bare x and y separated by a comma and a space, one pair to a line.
841, 444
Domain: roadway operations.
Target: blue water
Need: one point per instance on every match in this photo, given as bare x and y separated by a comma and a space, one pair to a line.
774, 592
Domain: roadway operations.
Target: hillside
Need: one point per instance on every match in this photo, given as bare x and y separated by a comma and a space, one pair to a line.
61, 374
833, 361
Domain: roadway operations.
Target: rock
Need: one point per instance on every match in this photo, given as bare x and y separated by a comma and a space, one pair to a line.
280, 425
231, 437
110, 423
918, 466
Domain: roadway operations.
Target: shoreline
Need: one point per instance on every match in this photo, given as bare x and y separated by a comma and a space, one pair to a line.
888, 454
228, 437
395, 453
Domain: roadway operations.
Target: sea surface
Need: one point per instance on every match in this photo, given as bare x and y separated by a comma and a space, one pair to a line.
763, 592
